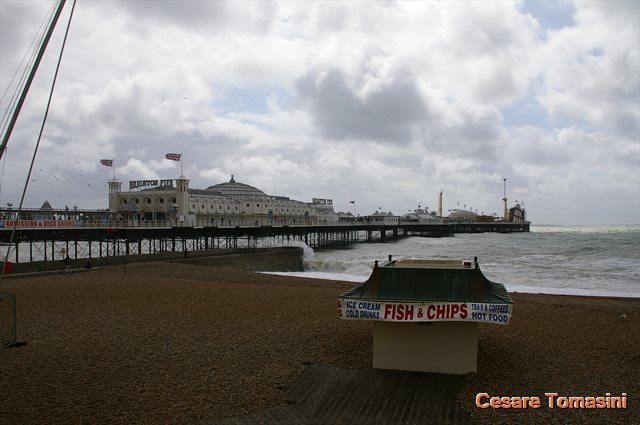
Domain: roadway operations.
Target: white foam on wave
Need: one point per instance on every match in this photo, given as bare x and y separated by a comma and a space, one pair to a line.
511, 288
569, 291
333, 265
323, 275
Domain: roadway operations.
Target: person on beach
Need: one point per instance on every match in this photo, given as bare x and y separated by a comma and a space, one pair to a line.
67, 264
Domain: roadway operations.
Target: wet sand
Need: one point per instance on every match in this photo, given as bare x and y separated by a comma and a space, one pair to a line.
170, 343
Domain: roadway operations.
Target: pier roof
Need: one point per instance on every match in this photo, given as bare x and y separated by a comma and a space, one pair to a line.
235, 189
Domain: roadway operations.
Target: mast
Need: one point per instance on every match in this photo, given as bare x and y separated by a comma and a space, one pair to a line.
32, 74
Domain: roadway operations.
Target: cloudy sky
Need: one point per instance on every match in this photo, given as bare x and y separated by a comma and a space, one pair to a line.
383, 103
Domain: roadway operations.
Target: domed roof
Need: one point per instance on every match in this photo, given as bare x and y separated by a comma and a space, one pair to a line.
234, 189
462, 215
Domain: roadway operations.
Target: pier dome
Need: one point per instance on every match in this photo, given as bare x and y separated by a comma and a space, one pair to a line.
462, 215
233, 189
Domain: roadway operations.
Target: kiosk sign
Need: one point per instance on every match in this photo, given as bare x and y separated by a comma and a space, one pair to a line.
354, 309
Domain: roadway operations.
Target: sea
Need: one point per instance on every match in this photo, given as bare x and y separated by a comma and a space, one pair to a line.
550, 259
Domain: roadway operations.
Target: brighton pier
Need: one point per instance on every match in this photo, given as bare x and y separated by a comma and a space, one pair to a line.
156, 216
54, 243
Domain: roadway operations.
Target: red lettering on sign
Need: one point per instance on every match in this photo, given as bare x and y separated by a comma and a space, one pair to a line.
408, 312
454, 310
430, 312
463, 311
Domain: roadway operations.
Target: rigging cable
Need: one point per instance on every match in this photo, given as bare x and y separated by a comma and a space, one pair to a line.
35, 151
4, 161
13, 103
32, 74
39, 36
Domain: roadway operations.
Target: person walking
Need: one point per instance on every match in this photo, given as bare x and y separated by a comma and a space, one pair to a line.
67, 264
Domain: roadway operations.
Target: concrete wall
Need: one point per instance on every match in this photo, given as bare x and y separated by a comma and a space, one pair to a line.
272, 260
438, 347
250, 259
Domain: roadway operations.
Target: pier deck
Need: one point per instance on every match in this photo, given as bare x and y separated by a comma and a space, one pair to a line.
52, 243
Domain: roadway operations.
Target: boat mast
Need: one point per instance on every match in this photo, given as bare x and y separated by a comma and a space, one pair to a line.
32, 74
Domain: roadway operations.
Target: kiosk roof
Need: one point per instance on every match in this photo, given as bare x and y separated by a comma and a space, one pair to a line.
429, 280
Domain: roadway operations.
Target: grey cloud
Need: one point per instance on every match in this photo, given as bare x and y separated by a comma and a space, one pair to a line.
19, 22
212, 16
623, 14
474, 136
387, 114
626, 124
11, 29
534, 153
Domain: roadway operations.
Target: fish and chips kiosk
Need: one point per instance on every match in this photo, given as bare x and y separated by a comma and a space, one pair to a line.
425, 313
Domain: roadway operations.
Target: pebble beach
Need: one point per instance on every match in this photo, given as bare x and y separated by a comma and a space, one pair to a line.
171, 343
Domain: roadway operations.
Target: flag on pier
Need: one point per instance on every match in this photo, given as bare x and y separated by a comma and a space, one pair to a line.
109, 163
175, 157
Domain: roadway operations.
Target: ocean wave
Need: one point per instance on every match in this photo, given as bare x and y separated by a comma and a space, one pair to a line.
584, 250
343, 277
338, 266
573, 260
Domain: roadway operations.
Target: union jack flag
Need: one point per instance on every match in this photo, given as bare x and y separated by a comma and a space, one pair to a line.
173, 156
107, 162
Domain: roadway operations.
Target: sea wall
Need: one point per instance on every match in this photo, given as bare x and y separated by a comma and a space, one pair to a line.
249, 259
265, 260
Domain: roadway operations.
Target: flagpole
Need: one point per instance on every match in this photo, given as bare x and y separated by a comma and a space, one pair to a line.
181, 172
114, 168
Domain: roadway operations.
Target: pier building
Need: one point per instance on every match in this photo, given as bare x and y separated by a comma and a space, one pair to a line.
225, 204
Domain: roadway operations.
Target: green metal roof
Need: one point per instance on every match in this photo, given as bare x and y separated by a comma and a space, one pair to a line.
416, 284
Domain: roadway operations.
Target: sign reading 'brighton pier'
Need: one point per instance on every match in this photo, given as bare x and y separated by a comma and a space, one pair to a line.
425, 312
165, 183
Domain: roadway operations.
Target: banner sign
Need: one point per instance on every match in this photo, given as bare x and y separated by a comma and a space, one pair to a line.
135, 184
351, 309
33, 224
